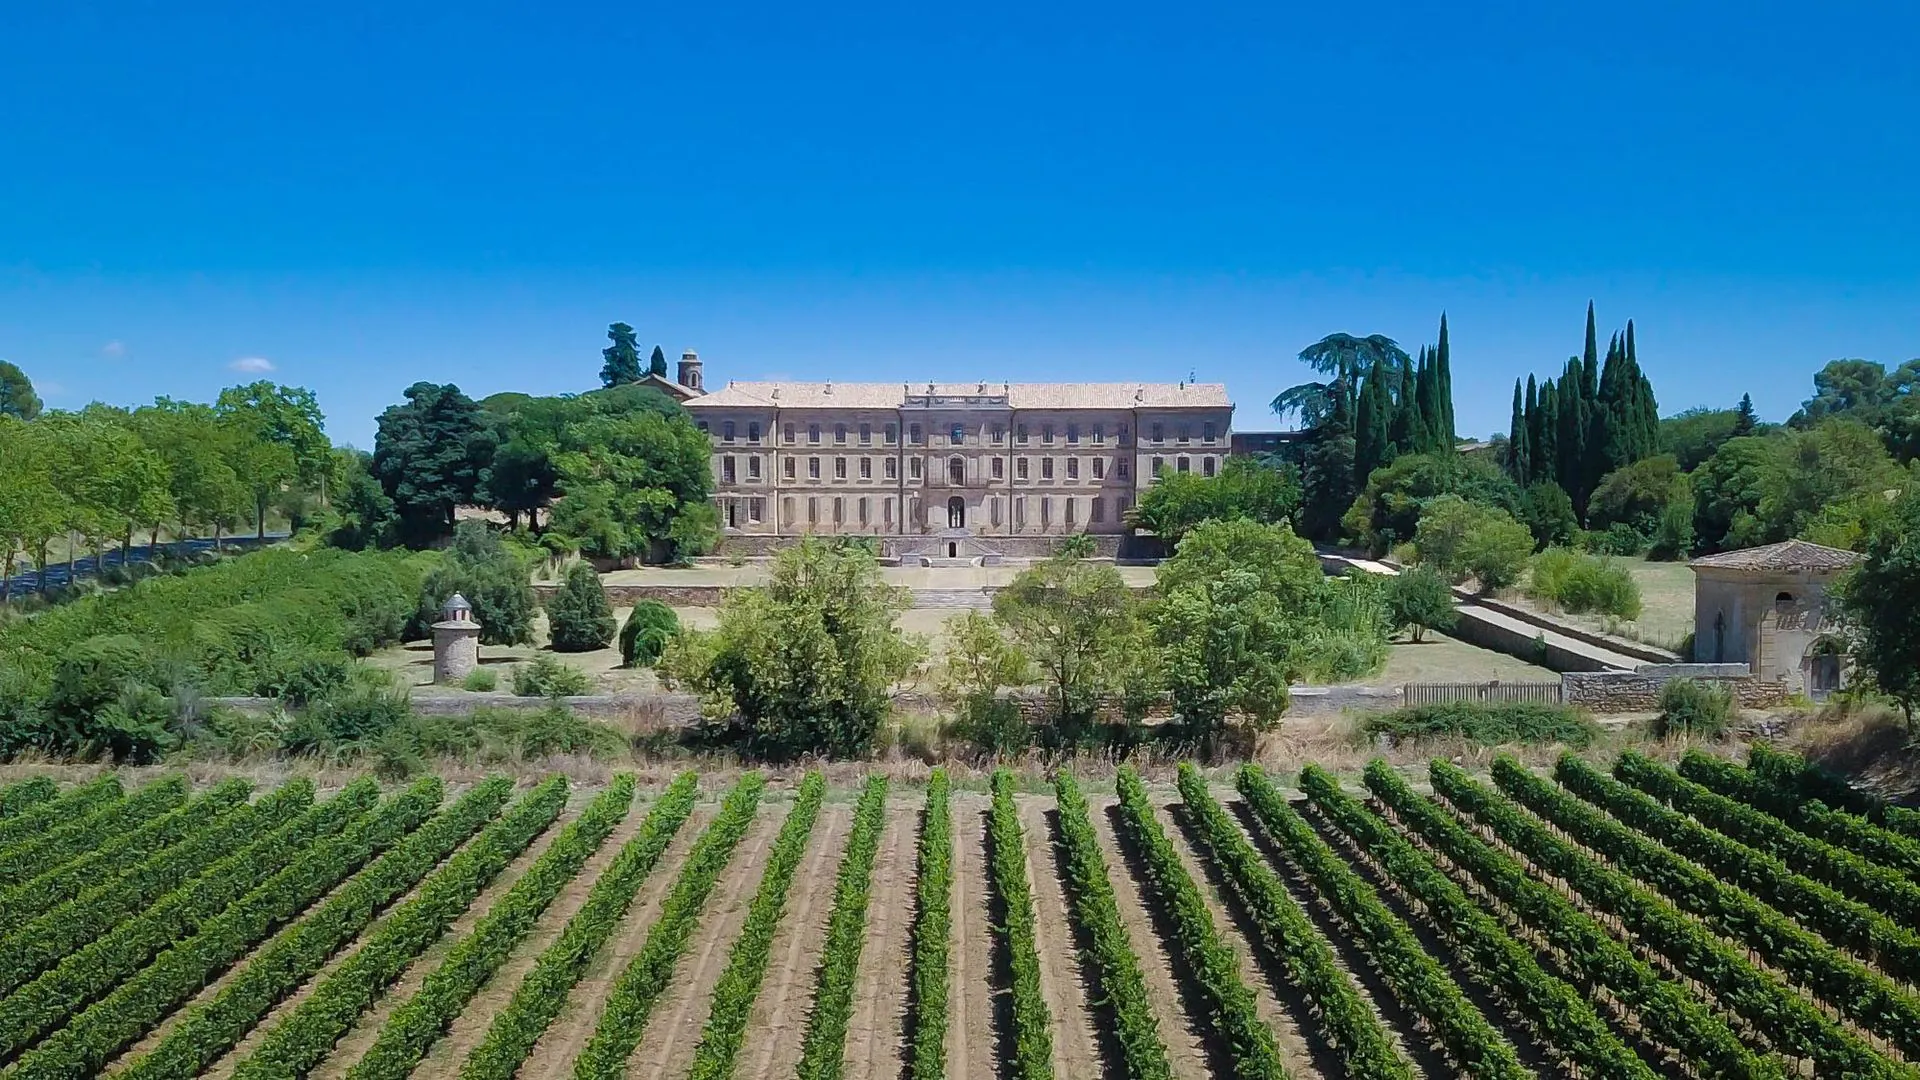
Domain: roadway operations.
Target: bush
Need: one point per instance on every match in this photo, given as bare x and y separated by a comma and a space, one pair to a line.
479, 567
1488, 724
1579, 583
1619, 538
481, 681
1419, 598
1464, 540
578, 617
644, 637
358, 716
1548, 513
546, 677
1695, 709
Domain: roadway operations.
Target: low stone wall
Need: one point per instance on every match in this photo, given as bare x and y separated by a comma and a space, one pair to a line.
628, 595
1110, 545
1625, 646
1639, 690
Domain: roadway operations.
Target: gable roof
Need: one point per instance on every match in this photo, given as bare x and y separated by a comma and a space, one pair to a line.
891, 395
1788, 555
668, 386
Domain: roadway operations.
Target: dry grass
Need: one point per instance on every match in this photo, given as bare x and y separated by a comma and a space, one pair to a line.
1666, 605
1869, 744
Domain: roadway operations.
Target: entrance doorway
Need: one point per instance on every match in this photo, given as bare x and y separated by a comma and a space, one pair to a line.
953, 550
1823, 668
956, 513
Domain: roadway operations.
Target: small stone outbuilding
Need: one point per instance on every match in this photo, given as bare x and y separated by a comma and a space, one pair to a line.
1767, 607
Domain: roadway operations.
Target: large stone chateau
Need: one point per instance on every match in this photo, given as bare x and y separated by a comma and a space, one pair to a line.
947, 462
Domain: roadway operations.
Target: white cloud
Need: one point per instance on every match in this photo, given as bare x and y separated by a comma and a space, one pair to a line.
113, 350
252, 365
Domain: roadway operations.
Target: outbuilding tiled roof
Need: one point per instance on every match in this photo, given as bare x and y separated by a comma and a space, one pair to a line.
871, 395
1789, 555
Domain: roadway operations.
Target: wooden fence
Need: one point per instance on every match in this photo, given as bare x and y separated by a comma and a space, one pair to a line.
1498, 693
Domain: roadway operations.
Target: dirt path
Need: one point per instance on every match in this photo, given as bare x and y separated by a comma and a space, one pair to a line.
1186, 1048
876, 1036
970, 1002
673, 1031
467, 1029
1076, 1044
1284, 1021
552, 1057
772, 1046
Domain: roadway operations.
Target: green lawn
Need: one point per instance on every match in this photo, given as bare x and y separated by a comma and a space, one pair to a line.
1666, 605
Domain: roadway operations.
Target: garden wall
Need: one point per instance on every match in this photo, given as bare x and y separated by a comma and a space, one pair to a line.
1639, 690
1652, 654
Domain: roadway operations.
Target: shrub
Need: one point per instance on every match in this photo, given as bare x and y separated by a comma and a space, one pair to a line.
481, 680
1693, 708
359, 715
1488, 725
546, 677
479, 567
1419, 598
578, 617
1464, 540
1575, 582
649, 626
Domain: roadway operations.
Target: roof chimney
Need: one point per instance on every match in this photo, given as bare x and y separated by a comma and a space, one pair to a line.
690, 376
829, 388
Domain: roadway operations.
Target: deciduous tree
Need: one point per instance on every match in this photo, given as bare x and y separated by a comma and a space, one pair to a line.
1881, 602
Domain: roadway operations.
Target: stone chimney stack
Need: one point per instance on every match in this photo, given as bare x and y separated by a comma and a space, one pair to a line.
690, 371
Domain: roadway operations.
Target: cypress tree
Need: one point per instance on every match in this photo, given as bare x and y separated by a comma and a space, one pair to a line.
1427, 387
1443, 380
1606, 423
1746, 420
1547, 451
1404, 430
1589, 359
1371, 426
1647, 424
1517, 438
1570, 436
1534, 450
657, 363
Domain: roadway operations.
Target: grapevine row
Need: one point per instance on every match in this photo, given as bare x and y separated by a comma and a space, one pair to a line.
630, 1002
932, 935
107, 932
823, 1048
1792, 1023
1348, 1023
1840, 829
23, 795
1116, 968
540, 995
413, 1028
1231, 1010
734, 995
1885, 890
1665, 1010
1793, 774
73, 803
1006, 844
30, 899
212, 1028
50, 850
1559, 1011
115, 1021
1416, 978
302, 1040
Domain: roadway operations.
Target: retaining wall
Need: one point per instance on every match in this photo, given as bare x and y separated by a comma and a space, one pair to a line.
1639, 690
1652, 654
1503, 636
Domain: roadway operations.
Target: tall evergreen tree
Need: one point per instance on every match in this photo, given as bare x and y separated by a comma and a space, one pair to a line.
1744, 419
1443, 377
1432, 416
1534, 449
622, 357
1570, 438
1517, 438
1547, 451
657, 363
1372, 443
1606, 435
1405, 432
1646, 434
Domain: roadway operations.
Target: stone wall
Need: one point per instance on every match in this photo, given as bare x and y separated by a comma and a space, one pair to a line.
628, 595
1639, 690
1520, 640
1638, 650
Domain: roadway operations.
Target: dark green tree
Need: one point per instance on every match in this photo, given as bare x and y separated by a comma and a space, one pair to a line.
1449, 433
1406, 430
1692, 436
1519, 446
1881, 602
622, 357
1427, 396
579, 619
478, 566
1348, 360
1548, 514
431, 456
1372, 436
1570, 440
17, 398
657, 363
1546, 444
1745, 419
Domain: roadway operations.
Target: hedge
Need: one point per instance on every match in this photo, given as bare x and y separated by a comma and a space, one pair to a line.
543, 991
1666, 1010
823, 1047
739, 985
930, 975
412, 1029
1415, 977
123, 1016
630, 1002
1682, 927
1115, 968
72, 839
114, 854
23, 795
306, 1035
1032, 1026
285, 963
1346, 1019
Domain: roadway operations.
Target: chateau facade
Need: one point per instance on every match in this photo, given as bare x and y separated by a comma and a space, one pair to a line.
979, 459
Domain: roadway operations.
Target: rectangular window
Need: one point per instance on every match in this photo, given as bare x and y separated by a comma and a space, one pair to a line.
999, 468
1099, 468
1206, 431
1046, 433
866, 434
1206, 466
1020, 434
1186, 433
913, 434
893, 468
813, 510
1073, 433
1073, 468
993, 511
863, 510
1120, 508
840, 468
1159, 463
1098, 512
1120, 435
886, 511
890, 433
702, 425
1183, 463
813, 434
753, 468
786, 512
957, 435
1020, 468
913, 468
999, 434
1020, 513
813, 468
756, 509
839, 510
1069, 517
753, 432
866, 468
1099, 434
1046, 468
1046, 513
1159, 433
726, 469
726, 431
787, 433
1123, 467
840, 434
787, 467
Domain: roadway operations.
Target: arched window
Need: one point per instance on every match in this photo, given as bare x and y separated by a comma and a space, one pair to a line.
1783, 602
956, 513
956, 471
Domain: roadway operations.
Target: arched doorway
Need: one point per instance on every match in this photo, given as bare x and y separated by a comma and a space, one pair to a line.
1825, 663
956, 513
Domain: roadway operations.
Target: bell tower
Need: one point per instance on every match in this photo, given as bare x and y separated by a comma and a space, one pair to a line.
690, 371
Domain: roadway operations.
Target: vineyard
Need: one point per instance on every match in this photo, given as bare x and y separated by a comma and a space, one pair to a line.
1708, 919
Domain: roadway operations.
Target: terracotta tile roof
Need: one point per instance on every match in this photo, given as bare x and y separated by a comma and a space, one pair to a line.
1787, 555
870, 395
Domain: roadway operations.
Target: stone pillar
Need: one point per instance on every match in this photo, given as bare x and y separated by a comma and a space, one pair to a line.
456, 643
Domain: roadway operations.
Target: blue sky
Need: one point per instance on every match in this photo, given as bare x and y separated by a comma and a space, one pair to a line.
361, 196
